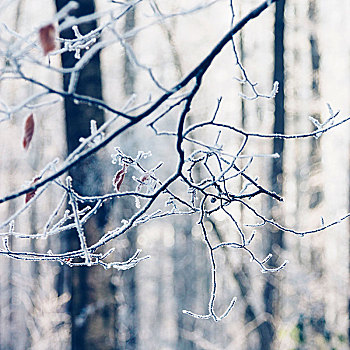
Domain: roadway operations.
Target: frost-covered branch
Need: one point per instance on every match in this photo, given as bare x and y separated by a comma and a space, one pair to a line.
205, 176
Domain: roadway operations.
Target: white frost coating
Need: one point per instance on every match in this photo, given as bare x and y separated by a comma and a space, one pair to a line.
206, 175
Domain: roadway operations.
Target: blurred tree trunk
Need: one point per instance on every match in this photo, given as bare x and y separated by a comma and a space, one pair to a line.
186, 270
9, 337
126, 324
10, 293
274, 241
129, 69
91, 311
242, 275
317, 319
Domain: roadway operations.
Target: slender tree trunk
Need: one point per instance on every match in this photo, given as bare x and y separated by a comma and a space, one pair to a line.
186, 270
91, 304
184, 282
129, 70
275, 237
9, 335
11, 291
242, 276
317, 320
127, 323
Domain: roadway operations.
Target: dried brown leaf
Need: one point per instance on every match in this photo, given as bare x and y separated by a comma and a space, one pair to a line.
47, 38
31, 194
28, 131
119, 177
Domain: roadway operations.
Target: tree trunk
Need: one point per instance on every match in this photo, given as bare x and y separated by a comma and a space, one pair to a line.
126, 293
275, 237
91, 311
242, 276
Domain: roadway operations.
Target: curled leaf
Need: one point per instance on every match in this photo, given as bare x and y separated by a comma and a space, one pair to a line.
28, 131
31, 194
119, 177
47, 38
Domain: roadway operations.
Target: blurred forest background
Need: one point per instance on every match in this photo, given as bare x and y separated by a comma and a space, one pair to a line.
44, 305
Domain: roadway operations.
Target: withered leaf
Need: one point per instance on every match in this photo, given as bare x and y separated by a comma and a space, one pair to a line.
31, 194
28, 131
47, 38
119, 177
